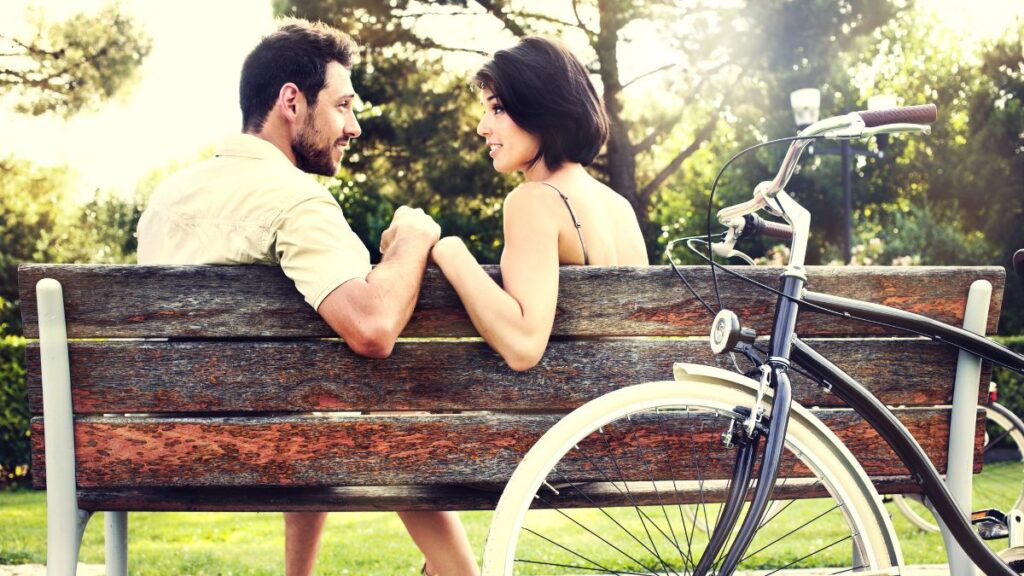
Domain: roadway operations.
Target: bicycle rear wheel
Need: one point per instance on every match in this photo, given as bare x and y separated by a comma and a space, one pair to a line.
1003, 452
633, 457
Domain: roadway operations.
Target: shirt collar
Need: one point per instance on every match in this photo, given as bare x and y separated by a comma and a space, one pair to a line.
249, 146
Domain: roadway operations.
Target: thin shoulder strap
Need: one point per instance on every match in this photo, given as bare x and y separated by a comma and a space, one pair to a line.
586, 259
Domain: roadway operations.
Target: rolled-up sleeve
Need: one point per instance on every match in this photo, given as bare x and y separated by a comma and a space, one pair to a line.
318, 249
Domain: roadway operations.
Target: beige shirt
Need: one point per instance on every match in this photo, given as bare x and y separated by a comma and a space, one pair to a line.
250, 205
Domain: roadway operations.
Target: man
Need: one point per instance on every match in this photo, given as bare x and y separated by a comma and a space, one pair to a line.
255, 202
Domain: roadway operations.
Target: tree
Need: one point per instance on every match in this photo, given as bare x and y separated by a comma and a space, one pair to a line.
707, 75
72, 65
62, 68
996, 139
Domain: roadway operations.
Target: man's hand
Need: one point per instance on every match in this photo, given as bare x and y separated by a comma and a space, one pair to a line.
411, 223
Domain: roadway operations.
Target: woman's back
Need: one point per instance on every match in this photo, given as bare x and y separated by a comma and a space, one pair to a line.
607, 224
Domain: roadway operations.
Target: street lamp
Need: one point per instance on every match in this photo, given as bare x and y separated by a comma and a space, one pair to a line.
806, 103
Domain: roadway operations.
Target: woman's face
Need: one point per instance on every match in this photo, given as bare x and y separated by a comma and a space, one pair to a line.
511, 147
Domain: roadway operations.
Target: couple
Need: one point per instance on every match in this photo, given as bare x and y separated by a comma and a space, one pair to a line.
255, 203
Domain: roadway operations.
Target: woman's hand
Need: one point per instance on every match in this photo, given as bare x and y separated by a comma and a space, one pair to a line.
444, 248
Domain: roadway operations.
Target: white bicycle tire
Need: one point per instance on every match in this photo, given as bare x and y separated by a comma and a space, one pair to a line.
701, 386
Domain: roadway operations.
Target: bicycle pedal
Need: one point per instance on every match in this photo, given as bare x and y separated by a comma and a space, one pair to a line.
990, 524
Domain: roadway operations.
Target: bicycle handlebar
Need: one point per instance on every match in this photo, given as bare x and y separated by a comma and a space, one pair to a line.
853, 125
922, 114
755, 226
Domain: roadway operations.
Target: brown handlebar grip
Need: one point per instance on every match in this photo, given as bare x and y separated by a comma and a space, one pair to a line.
777, 230
922, 114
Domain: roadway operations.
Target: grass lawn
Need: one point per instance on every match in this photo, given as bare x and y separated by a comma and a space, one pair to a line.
354, 543
226, 544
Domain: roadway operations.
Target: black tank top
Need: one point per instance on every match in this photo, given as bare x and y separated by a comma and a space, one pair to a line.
586, 260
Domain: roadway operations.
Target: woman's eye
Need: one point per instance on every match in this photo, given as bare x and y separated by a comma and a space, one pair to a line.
498, 110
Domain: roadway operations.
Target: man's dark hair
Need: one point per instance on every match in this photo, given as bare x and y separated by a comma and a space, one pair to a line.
298, 52
547, 92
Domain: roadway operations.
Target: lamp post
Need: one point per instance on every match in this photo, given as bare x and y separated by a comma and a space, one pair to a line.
806, 103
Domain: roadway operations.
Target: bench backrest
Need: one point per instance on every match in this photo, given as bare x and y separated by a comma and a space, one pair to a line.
189, 383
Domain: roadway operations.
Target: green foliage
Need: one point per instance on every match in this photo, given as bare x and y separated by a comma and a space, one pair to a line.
915, 235
31, 205
72, 65
14, 415
39, 224
1011, 386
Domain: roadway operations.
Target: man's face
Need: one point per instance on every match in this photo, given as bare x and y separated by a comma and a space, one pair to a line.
328, 126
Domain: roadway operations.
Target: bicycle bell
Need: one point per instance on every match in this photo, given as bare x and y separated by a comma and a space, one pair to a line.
726, 332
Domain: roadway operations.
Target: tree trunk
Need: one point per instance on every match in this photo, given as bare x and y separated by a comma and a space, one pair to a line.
621, 160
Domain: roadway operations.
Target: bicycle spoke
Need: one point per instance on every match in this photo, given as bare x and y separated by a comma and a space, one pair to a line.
996, 441
785, 479
589, 531
791, 532
806, 556
657, 494
603, 511
618, 469
573, 552
603, 571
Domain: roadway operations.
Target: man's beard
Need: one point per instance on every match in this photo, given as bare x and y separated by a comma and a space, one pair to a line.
310, 156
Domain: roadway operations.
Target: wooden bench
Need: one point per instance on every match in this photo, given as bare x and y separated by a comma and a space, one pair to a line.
217, 388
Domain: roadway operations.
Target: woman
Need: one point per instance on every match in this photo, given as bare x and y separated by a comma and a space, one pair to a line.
542, 118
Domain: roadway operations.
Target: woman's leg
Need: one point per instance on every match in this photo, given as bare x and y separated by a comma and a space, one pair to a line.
441, 538
301, 541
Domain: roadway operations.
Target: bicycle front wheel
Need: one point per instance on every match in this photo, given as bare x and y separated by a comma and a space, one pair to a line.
602, 492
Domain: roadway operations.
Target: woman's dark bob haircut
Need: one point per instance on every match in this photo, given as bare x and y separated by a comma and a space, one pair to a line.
547, 92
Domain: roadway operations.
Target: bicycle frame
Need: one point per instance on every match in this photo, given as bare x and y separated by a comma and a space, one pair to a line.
887, 425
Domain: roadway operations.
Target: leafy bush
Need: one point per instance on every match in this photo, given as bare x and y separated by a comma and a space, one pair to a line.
14, 414
1011, 386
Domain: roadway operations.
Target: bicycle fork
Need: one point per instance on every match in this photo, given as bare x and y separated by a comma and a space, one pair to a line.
742, 473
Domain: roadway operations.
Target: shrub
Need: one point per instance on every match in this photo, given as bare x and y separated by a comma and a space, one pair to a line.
14, 414
1011, 386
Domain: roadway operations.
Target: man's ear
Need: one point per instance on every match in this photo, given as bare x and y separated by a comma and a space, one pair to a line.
290, 102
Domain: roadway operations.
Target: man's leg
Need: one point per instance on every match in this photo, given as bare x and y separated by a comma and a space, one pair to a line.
301, 541
441, 538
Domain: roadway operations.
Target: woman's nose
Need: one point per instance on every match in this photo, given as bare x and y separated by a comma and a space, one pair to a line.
483, 127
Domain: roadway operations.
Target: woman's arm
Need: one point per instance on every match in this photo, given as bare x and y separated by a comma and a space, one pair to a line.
515, 320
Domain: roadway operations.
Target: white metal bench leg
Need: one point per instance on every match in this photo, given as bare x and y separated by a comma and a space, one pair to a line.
65, 523
116, 543
963, 423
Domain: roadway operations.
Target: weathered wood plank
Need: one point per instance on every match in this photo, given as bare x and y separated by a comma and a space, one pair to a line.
259, 302
388, 498
321, 375
120, 452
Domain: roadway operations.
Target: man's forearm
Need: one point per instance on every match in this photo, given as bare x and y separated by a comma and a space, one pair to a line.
395, 282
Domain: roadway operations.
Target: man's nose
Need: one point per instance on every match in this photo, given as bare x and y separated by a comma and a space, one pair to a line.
352, 128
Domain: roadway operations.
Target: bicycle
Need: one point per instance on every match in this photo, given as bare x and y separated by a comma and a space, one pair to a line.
720, 419
1004, 441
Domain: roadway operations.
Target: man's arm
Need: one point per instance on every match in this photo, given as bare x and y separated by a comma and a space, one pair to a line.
370, 314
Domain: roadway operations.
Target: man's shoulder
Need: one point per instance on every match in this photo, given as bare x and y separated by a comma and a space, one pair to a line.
241, 180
